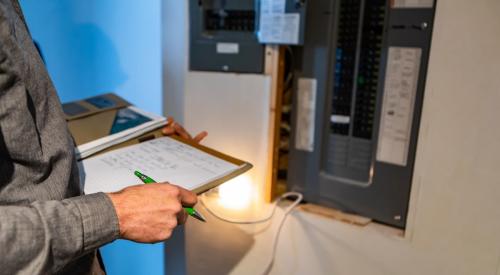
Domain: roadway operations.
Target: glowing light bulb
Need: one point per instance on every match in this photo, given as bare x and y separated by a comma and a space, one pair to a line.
236, 193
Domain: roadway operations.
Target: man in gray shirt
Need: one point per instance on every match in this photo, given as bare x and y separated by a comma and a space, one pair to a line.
47, 225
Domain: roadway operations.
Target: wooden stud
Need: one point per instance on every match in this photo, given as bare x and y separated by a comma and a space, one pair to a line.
275, 67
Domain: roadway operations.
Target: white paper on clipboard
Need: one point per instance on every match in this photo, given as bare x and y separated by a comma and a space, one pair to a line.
163, 159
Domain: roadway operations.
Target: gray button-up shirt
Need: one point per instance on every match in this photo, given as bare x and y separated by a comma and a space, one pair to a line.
46, 225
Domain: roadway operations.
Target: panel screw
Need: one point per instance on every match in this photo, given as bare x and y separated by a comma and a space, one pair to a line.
424, 25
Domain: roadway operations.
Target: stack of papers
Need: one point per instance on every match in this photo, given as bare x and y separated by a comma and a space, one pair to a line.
130, 122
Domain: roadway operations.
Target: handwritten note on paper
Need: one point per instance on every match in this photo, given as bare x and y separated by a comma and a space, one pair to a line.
163, 159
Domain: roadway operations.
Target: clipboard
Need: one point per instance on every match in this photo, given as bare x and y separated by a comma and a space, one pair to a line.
242, 166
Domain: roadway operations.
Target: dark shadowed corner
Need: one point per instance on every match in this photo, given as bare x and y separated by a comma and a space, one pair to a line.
6, 166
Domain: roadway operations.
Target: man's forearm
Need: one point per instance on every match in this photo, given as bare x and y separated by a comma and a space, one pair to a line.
44, 236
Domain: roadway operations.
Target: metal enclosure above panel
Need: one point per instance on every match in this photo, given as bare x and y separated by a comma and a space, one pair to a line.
223, 37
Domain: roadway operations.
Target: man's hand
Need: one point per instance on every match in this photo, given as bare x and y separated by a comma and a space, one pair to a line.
173, 127
148, 213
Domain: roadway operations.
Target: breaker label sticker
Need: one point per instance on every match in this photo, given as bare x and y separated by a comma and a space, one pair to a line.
306, 108
340, 119
400, 88
412, 3
228, 48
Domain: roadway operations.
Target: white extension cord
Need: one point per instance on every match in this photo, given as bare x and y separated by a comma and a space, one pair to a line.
288, 210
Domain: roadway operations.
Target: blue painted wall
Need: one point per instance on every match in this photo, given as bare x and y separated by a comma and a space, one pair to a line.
91, 47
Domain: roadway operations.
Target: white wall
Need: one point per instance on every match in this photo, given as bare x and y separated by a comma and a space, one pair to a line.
234, 109
454, 223
175, 48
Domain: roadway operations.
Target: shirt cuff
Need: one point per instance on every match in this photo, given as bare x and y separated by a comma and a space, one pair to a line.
99, 219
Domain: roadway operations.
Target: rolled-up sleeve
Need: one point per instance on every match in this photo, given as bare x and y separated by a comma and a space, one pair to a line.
45, 236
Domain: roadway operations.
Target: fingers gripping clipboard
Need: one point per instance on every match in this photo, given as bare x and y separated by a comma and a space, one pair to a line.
167, 159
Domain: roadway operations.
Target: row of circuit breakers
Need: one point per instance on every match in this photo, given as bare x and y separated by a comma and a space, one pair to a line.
358, 88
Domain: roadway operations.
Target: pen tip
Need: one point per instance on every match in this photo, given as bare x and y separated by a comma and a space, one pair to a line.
199, 216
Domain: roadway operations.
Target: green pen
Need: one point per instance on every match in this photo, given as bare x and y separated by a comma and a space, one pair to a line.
191, 212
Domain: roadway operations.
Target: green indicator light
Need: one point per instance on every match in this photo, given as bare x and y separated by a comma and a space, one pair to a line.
361, 80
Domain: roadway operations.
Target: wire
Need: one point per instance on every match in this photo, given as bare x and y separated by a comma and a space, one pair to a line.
289, 77
288, 210
202, 201
282, 222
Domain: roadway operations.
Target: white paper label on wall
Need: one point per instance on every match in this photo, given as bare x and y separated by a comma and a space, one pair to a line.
413, 3
279, 28
306, 107
228, 48
275, 25
272, 6
400, 88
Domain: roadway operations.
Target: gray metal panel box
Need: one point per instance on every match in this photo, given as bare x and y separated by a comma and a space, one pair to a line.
368, 60
223, 38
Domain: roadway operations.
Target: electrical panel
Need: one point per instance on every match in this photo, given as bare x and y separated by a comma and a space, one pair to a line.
359, 88
223, 36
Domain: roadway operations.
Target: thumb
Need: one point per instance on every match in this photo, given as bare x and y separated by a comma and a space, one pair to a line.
187, 197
